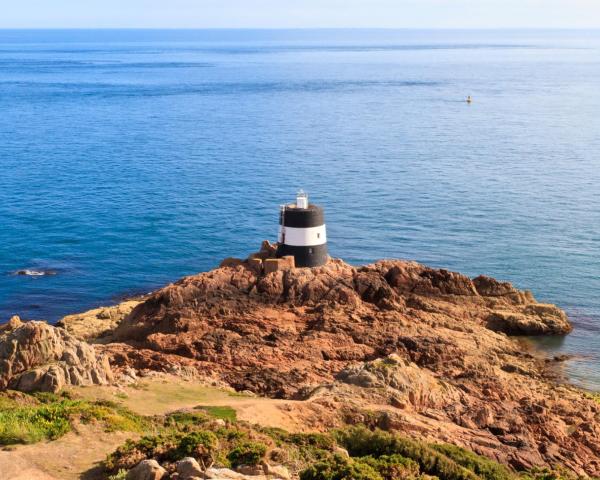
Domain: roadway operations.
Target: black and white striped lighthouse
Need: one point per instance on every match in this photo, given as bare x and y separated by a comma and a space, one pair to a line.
302, 232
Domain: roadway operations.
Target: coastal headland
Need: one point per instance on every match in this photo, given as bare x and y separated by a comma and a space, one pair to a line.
394, 347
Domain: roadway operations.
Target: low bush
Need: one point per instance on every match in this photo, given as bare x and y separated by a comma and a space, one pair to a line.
362, 442
392, 467
340, 468
247, 453
201, 445
485, 468
550, 474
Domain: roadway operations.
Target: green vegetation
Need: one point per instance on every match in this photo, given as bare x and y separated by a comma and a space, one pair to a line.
391, 467
224, 413
373, 455
179, 435
202, 434
595, 397
32, 418
120, 475
482, 466
361, 442
549, 474
340, 468
248, 453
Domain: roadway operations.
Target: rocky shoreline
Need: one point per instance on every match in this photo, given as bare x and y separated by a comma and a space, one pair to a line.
395, 345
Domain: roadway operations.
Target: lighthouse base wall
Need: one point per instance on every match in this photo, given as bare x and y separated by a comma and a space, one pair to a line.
305, 256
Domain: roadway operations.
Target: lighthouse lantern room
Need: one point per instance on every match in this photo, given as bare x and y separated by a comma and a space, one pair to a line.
302, 232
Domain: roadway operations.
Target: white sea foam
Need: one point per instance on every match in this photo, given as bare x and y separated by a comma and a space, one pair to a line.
34, 273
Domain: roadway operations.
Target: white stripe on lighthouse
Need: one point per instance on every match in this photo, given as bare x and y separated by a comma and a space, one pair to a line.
303, 237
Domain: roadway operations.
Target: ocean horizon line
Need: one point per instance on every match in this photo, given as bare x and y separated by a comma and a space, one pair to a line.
288, 29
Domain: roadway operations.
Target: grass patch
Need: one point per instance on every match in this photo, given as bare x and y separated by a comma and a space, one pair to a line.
224, 413
33, 418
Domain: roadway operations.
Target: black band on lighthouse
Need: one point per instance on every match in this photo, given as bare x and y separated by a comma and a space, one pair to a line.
303, 217
305, 256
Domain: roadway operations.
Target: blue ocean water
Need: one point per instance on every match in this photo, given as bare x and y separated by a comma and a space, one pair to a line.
131, 158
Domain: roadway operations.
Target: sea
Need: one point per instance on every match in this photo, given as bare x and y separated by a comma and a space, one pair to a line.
130, 158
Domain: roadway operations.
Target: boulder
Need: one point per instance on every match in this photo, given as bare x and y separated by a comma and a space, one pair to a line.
188, 468
250, 470
36, 356
277, 471
222, 473
532, 319
147, 470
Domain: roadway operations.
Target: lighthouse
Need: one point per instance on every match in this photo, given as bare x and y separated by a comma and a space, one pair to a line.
302, 232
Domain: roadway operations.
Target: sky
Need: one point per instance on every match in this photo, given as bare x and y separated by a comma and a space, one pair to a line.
300, 13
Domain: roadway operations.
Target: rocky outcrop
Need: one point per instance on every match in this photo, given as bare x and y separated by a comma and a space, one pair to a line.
98, 324
36, 356
429, 349
393, 344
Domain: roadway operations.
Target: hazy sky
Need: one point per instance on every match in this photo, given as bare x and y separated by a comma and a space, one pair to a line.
300, 13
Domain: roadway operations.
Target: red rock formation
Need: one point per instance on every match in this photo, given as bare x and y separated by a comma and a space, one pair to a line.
454, 374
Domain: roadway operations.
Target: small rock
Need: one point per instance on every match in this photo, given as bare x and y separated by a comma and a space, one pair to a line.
189, 468
277, 471
222, 473
251, 470
146, 470
398, 403
341, 451
14, 322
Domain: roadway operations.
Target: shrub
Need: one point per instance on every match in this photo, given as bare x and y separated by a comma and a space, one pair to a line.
361, 442
248, 453
316, 440
340, 468
482, 466
200, 445
548, 474
391, 467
